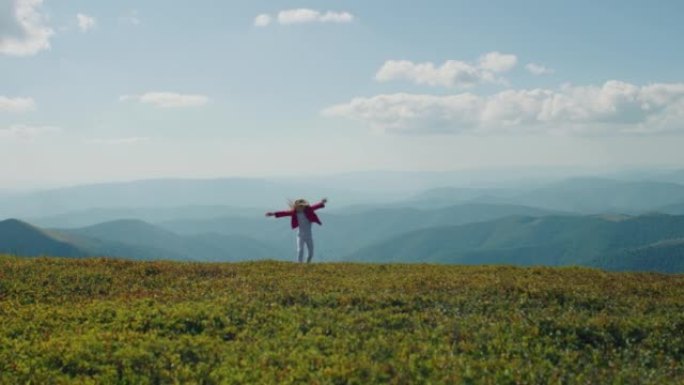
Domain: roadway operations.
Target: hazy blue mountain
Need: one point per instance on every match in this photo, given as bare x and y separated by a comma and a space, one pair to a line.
580, 195
21, 238
663, 256
594, 195
88, 217
669, 176
146, 237
552, 240
447, 196
344, 233
258, 227
133, 232
109, 248
674, 209
194, 198
412, 182
617, 242
168, 193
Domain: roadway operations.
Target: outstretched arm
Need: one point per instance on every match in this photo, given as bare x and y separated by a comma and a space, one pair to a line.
279, 214
320, 204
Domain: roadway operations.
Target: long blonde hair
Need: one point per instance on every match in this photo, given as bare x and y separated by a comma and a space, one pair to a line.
298, 203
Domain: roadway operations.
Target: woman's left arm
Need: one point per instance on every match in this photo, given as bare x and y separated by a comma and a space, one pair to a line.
320, 204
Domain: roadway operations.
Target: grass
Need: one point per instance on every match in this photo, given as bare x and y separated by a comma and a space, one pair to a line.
124, 322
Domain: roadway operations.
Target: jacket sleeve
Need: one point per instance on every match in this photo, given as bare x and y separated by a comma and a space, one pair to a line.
279, 214
317, 206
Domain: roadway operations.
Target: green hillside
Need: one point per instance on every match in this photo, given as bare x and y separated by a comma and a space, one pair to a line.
125, 322
664, 256
17, 237
551, 240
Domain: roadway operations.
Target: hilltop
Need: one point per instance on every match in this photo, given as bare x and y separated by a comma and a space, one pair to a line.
116, 321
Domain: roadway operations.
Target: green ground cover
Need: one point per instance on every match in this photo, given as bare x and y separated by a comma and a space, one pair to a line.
124, 322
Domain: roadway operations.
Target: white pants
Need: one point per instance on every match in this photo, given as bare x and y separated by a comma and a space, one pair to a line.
301, 242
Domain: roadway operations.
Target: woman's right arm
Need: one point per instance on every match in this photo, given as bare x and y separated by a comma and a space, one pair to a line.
279, 214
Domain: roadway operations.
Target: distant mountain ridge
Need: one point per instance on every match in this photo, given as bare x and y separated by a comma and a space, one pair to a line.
17, 237
551, 240
661, 256
614, 242
167, 193
165, 200
578, 195
131, 239
343, 233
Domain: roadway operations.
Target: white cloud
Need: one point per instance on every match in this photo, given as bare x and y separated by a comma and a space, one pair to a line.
538, 69
23, 29
117, 141
452, 73
303, 16
614, 107
27, 133
85, 22
336, 17
498, 62
16, 104
168, 99
262, 20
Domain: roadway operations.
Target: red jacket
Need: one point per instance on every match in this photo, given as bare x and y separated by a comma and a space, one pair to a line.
309, 211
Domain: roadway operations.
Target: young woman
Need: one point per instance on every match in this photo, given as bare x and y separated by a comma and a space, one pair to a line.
302, 216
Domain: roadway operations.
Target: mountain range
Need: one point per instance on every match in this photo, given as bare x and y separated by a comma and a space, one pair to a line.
615, 242
131, 239
578, 195
168, 199
617, 224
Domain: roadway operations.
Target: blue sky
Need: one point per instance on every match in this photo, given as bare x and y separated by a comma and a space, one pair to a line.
97, 91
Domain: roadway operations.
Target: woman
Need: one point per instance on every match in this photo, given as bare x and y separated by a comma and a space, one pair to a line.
302, 216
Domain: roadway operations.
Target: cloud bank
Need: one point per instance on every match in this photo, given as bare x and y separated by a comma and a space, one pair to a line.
303, 16
117, 141
16, 104
23, 29
168, 99
26, 132
452, 73
613, 108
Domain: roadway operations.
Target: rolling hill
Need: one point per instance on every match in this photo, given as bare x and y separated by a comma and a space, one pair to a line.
21, 238
552, 240
615, 242
131, 239
343, 233
169, 245
663, 256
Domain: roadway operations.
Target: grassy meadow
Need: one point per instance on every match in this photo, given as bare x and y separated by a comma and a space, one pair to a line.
94, 321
